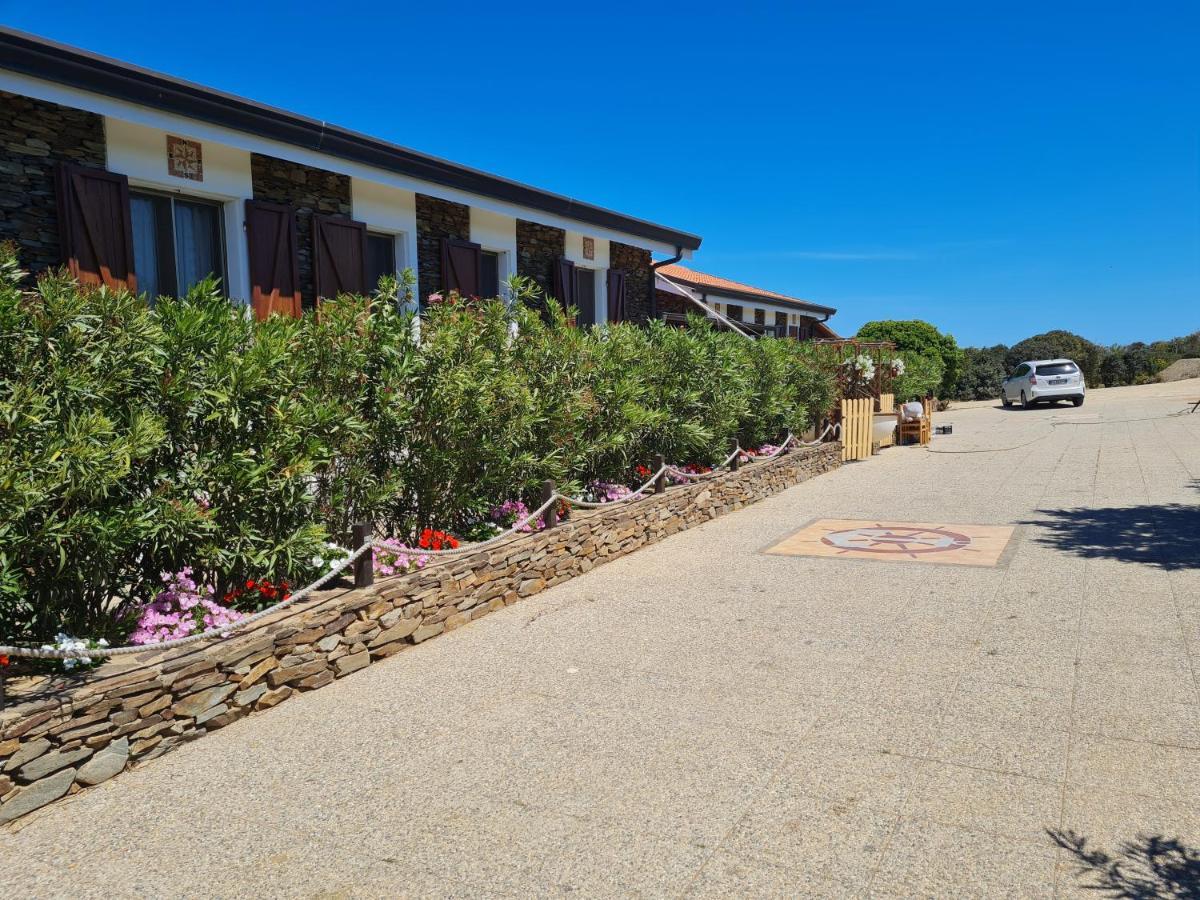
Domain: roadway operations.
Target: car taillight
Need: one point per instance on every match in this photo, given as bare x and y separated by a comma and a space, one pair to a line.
1033, 379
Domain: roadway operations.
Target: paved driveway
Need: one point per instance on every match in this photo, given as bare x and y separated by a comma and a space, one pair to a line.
703, 719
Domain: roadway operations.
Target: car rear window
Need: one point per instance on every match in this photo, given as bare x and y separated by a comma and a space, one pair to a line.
1057, 369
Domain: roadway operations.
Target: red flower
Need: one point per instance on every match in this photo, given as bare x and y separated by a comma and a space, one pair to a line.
249, 585
3, 659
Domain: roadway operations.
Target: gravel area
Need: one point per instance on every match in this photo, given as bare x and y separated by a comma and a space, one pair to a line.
703, 719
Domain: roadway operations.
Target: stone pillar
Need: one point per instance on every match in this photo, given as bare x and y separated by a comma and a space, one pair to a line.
437, 219
309, 190
34, 135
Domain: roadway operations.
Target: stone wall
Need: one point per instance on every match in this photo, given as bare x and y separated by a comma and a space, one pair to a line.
539, 247
437, 219
127, 713
309, 190
639, 305
34, 135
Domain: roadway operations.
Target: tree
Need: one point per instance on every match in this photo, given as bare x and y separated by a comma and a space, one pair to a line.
1059, 344
923, 339
982, 371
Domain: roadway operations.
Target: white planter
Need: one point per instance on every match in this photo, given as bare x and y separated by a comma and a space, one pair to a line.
883, 426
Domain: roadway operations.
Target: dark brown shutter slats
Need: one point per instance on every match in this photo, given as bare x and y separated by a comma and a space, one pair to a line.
95, 230
616, 295
274, 275
339, 256
564, 282
462, 267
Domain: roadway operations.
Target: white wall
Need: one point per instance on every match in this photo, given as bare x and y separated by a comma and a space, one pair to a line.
748, 308
498, 233
599, 267
140, 153
388, 210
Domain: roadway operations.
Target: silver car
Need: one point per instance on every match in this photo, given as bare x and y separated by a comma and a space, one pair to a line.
1047, 380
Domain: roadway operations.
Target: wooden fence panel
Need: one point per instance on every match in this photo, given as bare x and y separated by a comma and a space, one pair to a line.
857, 420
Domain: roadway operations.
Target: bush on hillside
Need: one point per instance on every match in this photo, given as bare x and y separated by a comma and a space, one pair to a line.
1056, 344
1136, 363
137, 440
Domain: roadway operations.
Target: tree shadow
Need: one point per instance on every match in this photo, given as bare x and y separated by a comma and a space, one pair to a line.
1149, 867
1166, 536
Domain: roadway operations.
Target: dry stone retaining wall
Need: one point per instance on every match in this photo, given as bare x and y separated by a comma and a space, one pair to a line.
87, 733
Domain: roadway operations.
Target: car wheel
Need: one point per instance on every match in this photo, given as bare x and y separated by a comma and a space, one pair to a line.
1004, 401
1025, 401
1077, 401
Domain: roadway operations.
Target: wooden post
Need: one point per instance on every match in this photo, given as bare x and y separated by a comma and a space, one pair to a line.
737, 458
550, 516
364, 566
3, 689
660, 483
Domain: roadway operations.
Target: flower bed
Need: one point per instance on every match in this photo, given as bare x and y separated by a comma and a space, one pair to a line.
88, 731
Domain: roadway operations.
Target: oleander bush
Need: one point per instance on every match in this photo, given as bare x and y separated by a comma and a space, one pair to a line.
138, 440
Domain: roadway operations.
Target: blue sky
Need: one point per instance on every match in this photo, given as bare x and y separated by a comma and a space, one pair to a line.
998, 169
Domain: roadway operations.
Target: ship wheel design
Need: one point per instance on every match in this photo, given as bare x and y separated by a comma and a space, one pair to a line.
898, 540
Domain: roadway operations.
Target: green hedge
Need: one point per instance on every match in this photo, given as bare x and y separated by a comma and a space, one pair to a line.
136, 440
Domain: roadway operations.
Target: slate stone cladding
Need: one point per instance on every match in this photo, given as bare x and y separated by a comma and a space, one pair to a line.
539, 247
309, 190
437, 219
64, 737
34, 135
635, 261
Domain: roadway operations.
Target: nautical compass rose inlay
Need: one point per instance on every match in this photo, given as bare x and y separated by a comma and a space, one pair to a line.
926, 542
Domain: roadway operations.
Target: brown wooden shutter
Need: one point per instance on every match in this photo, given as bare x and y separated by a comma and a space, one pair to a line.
339, 256
274, 275
95, 230
564, 282
462, 267
616, 295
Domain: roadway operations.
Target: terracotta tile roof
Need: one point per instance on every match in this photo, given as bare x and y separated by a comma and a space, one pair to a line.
716, 285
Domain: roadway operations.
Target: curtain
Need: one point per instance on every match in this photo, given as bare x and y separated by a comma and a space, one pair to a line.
145, 245
197, 243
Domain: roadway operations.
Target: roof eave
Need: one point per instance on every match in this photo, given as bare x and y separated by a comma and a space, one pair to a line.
753, 297
37, 57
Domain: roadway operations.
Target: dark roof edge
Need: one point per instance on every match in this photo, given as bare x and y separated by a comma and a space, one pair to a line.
750, 295
41, 58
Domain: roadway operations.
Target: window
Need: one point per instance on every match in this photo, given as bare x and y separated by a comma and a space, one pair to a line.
734, 312
381, 258
781, 324
489, 284
585, 296
760, 317
177, 242
1057, 369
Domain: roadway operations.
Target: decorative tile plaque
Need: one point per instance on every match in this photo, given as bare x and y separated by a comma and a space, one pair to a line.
589, 248
184, 159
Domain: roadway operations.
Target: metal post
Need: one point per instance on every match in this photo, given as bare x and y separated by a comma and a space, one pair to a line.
660, 483
364, 566
550, 516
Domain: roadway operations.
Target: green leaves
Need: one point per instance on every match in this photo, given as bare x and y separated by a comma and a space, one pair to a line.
136, 440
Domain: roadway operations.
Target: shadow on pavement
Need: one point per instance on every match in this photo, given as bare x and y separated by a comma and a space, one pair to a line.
1166, 536
1146, 867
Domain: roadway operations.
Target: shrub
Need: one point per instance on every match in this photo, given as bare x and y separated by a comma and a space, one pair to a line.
188, 435
914, 338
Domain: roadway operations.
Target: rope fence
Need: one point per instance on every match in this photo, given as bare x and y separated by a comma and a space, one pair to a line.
366, 544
